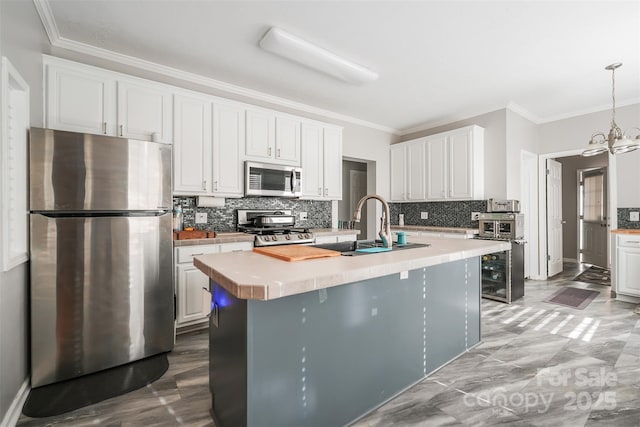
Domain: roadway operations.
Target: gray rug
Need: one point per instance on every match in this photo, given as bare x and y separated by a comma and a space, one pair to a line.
572, 297
597, 275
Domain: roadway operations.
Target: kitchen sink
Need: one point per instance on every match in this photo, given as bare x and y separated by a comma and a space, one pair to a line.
349, 248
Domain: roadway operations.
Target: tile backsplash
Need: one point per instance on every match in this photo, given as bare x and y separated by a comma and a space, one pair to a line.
623, 219
441, 214
225, 218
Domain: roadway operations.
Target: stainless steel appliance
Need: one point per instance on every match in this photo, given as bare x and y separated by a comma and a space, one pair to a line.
494, 205
101, 253
263, 179
502, 226
273, 227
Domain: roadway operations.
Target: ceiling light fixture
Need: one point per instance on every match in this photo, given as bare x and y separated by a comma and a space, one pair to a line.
301, 51
616, 142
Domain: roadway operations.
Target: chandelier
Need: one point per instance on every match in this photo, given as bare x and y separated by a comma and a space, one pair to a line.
616, 142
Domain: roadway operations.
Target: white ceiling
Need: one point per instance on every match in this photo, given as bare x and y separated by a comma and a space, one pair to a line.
438, 60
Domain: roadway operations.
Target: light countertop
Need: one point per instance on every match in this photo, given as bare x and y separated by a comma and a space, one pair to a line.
626, 231
231, 237
435, 229
250, 275
333, 231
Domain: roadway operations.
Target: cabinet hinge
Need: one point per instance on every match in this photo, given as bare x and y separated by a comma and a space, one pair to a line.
548, 257
548, 171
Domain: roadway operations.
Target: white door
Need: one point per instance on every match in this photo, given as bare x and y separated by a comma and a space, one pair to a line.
529, 207
416, 183
554, 217
436, 168
592, 221
287, 141
228, 137
80, 101
357, 190
312, 137
192, 145
144, 109
332, 170
260, 135
460, 166
189, 289
398, 160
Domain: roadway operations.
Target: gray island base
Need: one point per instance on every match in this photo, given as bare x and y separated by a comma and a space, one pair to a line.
327, 357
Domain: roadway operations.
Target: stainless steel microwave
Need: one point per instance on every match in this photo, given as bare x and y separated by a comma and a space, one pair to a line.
264, 179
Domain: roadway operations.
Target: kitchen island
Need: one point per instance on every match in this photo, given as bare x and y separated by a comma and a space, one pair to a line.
325, 341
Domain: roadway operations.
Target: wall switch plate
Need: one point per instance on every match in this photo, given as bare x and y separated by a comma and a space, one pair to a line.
303, 216
634, 216
424, 215
404, 275
475, 216
201, 217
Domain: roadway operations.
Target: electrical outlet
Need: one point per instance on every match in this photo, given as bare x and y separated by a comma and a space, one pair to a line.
475, 216
424, 215
302, 216
201, 217
634, 216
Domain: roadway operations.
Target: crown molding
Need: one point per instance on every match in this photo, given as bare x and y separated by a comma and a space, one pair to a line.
619, 104
521, 111
48, 20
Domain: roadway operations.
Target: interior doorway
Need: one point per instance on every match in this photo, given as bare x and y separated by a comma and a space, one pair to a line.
571, 163
354, 187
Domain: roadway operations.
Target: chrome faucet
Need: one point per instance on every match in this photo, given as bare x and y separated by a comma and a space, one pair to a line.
385, 225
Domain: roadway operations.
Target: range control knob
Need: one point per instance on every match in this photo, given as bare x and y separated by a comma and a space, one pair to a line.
288, 237
274, 238
307, 236
300, 236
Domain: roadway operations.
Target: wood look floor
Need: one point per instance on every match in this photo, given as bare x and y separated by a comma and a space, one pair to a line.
539, 364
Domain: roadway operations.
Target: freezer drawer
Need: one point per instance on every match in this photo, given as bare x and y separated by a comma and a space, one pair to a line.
101, 293
77, 172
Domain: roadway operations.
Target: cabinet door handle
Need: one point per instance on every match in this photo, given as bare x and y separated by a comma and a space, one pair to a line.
120, 130
278, 153
215, 185
319, 191
326, 191
104, 128
269, 151
204, 185
201, 253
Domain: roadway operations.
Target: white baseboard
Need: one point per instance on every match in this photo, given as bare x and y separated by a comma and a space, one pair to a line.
13, 413
628, 298
569, 260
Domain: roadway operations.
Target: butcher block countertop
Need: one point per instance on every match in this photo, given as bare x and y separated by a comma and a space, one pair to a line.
250, 275
626, 231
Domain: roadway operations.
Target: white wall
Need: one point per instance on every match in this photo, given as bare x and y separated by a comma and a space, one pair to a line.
522, 134
574, 133
495, 157
22, 40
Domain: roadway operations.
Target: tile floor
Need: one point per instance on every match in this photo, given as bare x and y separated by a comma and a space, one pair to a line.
539, 364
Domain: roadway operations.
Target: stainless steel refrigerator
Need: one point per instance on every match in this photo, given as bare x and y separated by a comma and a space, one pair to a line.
101, 253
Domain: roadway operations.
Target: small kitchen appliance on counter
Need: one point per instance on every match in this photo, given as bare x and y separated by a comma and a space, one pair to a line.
273, 227
503, 272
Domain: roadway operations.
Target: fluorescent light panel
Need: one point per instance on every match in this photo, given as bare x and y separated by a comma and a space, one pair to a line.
294, 48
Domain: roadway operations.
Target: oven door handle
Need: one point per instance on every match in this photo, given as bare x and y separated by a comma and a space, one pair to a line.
293, 180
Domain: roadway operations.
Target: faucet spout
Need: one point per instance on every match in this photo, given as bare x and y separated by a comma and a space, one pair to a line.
385, 224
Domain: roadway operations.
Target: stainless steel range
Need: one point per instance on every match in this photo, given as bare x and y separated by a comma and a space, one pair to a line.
273, 227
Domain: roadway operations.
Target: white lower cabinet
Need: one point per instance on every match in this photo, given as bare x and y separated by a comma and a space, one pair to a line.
190, 281
627, 265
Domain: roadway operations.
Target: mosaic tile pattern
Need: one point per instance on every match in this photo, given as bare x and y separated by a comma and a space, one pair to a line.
623, 219
441, 214
225, 219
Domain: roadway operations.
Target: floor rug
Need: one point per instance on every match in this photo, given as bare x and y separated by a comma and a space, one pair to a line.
572, 297
597, 275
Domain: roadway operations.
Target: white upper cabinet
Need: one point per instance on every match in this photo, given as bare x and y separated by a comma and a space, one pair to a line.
144, 109
415, 174
312, 166
260, 137
436, 168
192, 145
80, 100
332, 157
272, 138
321, 162
228, 137
287, 140
398, 160
446, 166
